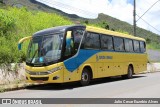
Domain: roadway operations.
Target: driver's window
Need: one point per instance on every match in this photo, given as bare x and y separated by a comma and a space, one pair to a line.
77, 35
73, 39
69, 44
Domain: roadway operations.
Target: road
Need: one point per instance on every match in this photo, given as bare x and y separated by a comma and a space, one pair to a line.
140, 86
153, 55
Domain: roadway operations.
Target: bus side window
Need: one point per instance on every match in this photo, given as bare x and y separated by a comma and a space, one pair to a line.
106, 42
83, 41
136, 46
92, 41
73, 39
142, 46
118, 44
69, 44
77, 36
128, 45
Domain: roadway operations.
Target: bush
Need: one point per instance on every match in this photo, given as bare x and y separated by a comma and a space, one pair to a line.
153, 45
7, 22
17, 23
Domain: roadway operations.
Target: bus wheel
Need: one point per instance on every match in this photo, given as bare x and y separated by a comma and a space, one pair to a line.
85, 77
129, 74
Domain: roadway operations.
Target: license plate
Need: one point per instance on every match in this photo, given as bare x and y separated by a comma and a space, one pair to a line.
39, 81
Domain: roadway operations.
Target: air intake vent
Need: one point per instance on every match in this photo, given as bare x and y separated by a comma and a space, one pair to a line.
39, 78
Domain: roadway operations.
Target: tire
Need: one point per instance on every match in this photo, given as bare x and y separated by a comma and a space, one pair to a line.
129, 74
85, 77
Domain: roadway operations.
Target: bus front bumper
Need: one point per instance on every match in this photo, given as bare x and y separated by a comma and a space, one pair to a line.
56, 77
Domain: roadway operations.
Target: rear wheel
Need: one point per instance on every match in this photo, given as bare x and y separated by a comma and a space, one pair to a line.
85, 77
129, 74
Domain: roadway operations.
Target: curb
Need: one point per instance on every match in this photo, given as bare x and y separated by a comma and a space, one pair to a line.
13, 87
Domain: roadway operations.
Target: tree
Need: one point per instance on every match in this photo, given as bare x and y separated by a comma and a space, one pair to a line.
1, 1
107, 27
148, 40
86, 22
112, 29
4, 1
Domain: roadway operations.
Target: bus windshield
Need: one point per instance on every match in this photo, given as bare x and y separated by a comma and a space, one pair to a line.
45, 49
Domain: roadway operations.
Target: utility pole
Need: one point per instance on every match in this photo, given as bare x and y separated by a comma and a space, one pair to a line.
134, 18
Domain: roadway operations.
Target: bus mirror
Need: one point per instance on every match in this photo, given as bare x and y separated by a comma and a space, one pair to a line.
22, 40
19, 46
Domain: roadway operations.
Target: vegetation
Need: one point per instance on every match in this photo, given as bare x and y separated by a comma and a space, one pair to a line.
17, 23
117, 25
153, 46
2, 89
103, 21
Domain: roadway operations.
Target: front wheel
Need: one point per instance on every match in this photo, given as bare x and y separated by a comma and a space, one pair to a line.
85, 77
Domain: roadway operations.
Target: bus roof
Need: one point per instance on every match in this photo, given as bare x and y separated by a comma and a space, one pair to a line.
56, 29
113, 33
88, 28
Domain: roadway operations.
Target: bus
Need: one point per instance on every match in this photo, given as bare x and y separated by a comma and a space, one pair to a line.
82, 53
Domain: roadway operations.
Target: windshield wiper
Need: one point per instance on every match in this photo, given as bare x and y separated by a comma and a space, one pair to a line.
34, 55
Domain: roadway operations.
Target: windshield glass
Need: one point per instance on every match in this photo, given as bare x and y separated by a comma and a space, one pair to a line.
44, 49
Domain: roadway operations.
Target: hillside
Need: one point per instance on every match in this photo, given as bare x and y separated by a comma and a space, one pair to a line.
34, 5
31, 16
17, 23
117, 25
102, 20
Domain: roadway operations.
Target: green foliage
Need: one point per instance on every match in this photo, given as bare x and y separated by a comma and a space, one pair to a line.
104, 25
2, 5
101, 24
17, 23
113, 23
121, 31
1, 1
2, 89
120, 26
86, 22
7, 22
123, 27
148, 40
153, 45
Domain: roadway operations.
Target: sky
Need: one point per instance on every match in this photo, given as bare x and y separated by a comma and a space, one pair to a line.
120, 9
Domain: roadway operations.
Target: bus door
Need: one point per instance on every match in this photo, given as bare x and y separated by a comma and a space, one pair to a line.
71, 51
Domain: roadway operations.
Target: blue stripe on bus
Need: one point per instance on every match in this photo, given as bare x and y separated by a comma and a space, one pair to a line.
74, 62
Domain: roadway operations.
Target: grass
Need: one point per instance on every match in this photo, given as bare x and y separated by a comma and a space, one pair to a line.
18, 23
2, 89
153, 46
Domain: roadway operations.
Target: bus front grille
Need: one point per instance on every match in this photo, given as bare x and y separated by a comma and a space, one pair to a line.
39, 78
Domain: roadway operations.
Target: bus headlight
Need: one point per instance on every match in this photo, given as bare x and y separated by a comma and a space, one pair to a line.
55, 69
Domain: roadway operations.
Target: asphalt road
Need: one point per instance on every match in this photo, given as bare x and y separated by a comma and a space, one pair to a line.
140, 86
153, 55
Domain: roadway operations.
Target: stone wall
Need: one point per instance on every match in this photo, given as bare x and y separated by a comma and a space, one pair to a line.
10, 74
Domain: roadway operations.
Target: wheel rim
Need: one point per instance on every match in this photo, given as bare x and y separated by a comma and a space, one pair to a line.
130, 72
84, 76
